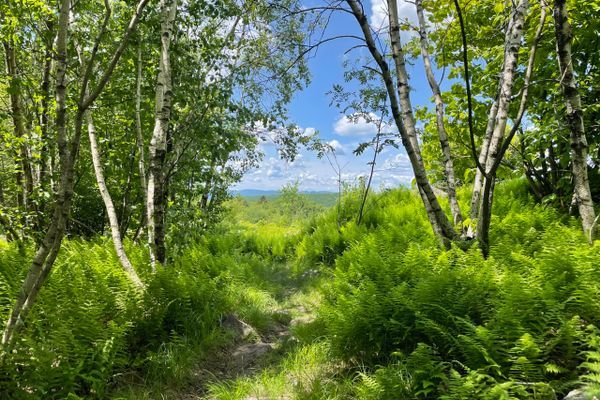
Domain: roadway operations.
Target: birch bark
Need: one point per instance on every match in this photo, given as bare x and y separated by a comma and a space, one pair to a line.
498, 143
409, 125
402, 113
48, 249
574, 119
55, 230
109, 205
156, 200
439, 108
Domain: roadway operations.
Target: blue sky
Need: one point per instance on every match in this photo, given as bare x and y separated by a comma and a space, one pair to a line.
310, 109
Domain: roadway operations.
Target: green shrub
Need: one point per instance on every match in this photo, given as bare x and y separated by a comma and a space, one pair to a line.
511, 326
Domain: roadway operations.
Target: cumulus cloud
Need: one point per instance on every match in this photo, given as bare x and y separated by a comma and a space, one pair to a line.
348, 126
398, 162
406, 13
337, 146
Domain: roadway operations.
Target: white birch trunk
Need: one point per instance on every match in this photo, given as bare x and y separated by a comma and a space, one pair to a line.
53, 237
46, 254
155, 205
440, 223
410, 130
108, 204
574, 119
495, 153
478, 182
439, 108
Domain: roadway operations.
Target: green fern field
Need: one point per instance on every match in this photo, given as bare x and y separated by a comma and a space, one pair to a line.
383, 312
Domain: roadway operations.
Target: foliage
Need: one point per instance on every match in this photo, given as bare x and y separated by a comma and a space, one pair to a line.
454, 325
401, 316
91, 326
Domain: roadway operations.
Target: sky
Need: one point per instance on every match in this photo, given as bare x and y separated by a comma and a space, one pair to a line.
311, 111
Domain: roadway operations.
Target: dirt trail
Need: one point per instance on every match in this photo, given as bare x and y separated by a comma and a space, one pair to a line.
250, 351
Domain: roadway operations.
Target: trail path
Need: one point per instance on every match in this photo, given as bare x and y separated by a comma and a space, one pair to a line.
253, 351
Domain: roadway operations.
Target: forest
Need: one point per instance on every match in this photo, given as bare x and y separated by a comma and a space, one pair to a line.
133, 265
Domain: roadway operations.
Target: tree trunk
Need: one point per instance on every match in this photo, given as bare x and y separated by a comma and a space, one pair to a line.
478, 182
156, 200
440, 224
24, 174
574, 119
139, 133
507, 78
47, 145
439, 108
214, 198
209, 184
410, 131
108, 203
494, 154
53, 236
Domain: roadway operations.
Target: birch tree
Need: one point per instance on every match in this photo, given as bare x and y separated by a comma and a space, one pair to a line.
109, 205
156, 200
496, 141
514, 37
582, 195
439, 109
400, 104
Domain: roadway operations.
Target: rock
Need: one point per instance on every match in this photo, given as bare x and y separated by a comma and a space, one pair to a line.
242, 329
579, 394
246, 354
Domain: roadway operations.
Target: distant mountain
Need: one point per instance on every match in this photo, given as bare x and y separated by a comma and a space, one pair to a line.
259, 192
254, 192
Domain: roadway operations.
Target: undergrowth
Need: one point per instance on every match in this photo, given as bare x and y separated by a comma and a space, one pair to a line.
427, 323
397, 317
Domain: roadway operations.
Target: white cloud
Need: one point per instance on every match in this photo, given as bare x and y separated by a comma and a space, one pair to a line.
339, 148
310, 131
394, 180
379, 14
392, 169
349, 126
406, 13
399, 162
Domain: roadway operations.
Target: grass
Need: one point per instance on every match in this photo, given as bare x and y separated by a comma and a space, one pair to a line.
324, 199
